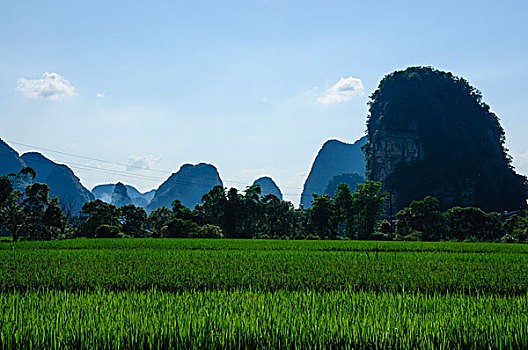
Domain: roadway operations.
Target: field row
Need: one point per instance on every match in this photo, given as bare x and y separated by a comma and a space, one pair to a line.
242, 319
263, 270
268, 244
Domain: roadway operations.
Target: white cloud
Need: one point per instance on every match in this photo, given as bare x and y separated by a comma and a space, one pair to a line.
135, 163
344, 90
51, 86
99, 95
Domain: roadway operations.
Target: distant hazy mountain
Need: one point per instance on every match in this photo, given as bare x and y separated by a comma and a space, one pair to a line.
334, 158
10, 161
120, 196
350, 179
188, 185
268, 186
105, 192
61, 180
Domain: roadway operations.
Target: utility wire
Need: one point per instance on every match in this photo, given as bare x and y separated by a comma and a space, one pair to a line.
86, 167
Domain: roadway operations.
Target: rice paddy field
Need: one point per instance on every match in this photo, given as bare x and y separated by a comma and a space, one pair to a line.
246, 294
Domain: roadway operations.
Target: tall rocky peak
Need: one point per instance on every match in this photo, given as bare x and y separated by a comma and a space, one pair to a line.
268, 186
334, 158
430, 133
10, 161
60, 179
188, 185
120, 195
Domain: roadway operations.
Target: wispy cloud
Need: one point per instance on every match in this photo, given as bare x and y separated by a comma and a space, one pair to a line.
136, 163
99, 95
344, 90
50, 86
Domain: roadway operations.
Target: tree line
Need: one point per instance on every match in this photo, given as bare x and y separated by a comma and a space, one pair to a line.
223, 212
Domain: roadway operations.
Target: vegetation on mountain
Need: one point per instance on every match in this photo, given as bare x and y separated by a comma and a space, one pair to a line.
351, 179
334, 158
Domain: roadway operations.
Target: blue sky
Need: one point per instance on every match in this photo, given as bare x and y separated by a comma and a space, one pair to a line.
253, 87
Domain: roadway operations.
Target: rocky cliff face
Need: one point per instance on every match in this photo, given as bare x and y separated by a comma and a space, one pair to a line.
61, 180
430, 133
334, 158
188, 185
268, 186
394, 147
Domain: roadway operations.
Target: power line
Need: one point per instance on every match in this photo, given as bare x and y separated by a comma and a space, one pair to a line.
86, 167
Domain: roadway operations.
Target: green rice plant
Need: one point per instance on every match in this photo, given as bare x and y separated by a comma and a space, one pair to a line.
214, 265
248, 320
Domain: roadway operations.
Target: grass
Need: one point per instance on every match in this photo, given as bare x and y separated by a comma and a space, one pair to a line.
149, 294
243, 319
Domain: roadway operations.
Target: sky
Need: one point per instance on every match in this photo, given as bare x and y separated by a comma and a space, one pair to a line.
129, 91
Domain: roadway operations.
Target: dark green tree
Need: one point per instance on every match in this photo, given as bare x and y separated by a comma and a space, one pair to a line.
279, 217
98, 213
53, 219
233, 215
367, 206
12, 216
180, 211
133, 220
213, 207
516, 227
344, 213
472, 224
179, 228
33, 206
252, 211
322, 217
422, 219
159, 218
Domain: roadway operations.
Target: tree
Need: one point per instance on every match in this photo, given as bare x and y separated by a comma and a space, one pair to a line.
159, 218
98, 213
516, 227
11, 214
133, 219
180, 211
33, 207
322, 217
179, 228
472, 223
53, 219
278, 217
367, 206
70, 221
214, 205
344, 208
233, 214
252, 211
422, 219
